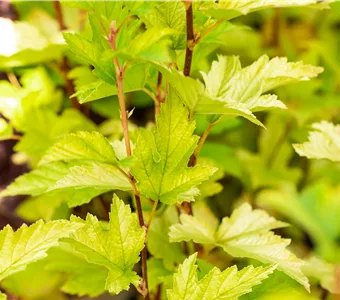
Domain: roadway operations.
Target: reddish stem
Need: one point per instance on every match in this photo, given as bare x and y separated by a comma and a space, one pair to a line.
124, 118
190, 39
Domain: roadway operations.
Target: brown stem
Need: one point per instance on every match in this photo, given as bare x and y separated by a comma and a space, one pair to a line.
65, 67
187, 67
124, 119
190, 38
190, 42
59, 15
158, 292
159, 96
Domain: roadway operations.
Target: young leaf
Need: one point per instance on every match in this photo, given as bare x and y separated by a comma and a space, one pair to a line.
232, 90
97, 54
229, 284
89, 87
116, 248
169, 14
227, 10
29, 244
151, 45
93, 175
162, 155
81, 145
323, 143
252, 238
245, 234
105, 12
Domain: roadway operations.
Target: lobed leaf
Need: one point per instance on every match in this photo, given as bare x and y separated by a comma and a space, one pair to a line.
162, 155
96, 54
245, 234
29, 244
229, 284
229, 89
93, 175
116, 248
81, 145
323, 143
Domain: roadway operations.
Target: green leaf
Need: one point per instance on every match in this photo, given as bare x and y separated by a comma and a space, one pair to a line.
35, 282
47, 207
151, 45
42, 179
223, 70
94, 53
37, 139
315, 209
323, 143
93, 175
187, 89
209, 106
200, 231
29, 244
82, 277
139, 8
229, 284
116, 248
232, 90
38, 180
169, 14
90, 88
247, 233
227, 10
159, 245
162, 155
6, 130
157, 273
81, 145
279, 287
105, 12
224, 157
211, 186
